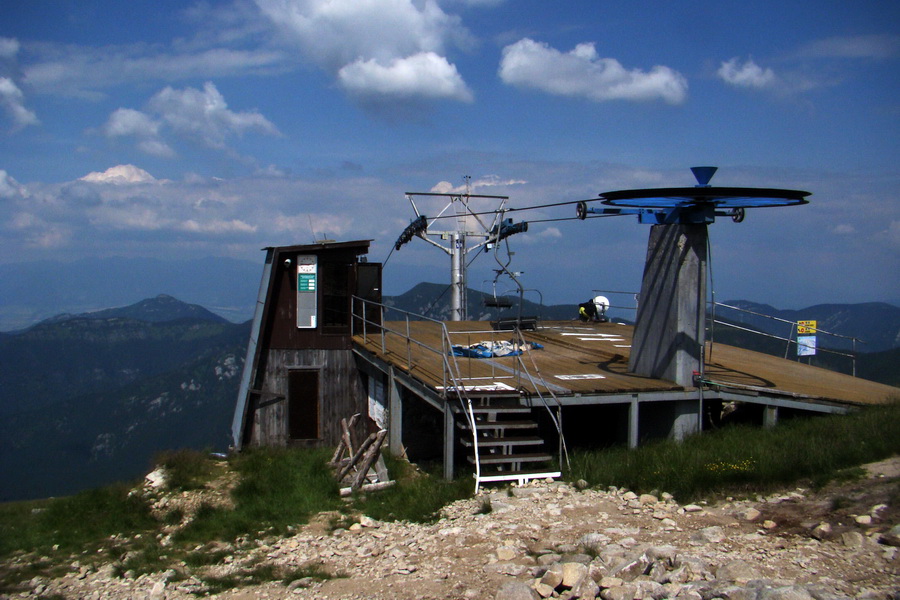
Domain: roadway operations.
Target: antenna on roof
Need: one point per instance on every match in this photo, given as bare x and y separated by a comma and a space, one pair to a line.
311, 228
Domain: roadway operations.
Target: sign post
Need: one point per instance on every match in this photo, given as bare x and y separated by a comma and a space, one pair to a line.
806, 338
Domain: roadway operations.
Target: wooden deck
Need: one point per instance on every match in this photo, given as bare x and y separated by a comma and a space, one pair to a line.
591, 359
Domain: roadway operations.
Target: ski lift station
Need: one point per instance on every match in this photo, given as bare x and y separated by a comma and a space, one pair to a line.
506, 399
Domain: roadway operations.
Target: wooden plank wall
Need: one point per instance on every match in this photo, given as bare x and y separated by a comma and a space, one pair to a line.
341, 394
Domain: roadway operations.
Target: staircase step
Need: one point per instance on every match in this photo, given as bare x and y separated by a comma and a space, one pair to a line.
501, 425
505, 459
520, 476
504, 410
490, 441
474, 392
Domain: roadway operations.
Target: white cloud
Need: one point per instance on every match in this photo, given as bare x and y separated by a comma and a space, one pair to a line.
82, 72
583, 73
9, 47
196, 114
748, 74
13, 101
844, 229
551, 232
205, 115
335, 33
120, 175
377, 46
893, 234
9, 187
425, 75
126, 122
217, 226
445, 187
859, 46
312, 225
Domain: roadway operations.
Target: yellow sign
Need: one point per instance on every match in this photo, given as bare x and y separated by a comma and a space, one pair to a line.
806, 327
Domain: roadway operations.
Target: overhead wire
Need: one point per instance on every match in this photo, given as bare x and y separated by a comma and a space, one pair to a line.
523, 208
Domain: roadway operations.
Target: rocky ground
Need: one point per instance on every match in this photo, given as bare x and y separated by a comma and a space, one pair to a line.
552, 540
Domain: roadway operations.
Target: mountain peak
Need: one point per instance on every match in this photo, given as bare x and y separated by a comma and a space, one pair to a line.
159, 309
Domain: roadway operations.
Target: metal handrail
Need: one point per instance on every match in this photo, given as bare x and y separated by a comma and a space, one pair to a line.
449, 370
790, 340
557, 420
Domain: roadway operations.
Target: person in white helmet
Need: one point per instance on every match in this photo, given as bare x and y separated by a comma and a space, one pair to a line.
594, 310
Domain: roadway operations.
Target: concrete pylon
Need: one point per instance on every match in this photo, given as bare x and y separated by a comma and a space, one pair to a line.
670, 332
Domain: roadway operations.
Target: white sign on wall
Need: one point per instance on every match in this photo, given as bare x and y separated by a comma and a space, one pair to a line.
307, 291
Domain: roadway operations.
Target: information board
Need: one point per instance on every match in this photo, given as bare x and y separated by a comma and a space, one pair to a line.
806, 345
307, 291
806, 338
806, 327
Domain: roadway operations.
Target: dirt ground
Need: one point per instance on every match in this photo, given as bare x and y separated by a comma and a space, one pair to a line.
832, 543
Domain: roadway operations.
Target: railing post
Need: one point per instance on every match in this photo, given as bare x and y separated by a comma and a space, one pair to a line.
408, 346
383, 335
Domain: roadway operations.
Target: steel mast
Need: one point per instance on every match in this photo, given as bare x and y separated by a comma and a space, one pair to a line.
469, 224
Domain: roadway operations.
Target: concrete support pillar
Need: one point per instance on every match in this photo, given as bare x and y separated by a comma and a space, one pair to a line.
685, 419
395, 415
770, 416
670, 331
449, 446
633, 424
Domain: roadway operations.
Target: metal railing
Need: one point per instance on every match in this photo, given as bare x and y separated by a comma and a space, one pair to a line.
450, 366
792, 333
451, 372
620, 304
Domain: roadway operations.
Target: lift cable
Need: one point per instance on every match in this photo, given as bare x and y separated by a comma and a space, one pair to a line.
535, 207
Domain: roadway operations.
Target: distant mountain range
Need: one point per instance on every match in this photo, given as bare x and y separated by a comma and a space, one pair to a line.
88, 399
875, 324
433, 300
34, 291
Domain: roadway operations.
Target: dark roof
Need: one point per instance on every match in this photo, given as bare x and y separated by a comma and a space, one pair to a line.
363, 245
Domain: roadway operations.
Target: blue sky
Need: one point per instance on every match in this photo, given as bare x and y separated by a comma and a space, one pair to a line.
175, 129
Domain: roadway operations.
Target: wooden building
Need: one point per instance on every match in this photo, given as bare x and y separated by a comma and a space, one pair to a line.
323, 347
300, 378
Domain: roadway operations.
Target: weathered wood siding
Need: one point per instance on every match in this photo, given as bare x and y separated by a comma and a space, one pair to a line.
341, 394
281, 326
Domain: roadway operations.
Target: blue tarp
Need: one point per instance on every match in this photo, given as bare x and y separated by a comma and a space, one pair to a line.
491, 349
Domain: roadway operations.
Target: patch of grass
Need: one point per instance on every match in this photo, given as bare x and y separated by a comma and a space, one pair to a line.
839, 502
142, 556
486, 507
264, 573
341, 522
173, 517
278, 488
205, 557
745, 459
417, 497
312, 571
187, 469
13, 576
73, 523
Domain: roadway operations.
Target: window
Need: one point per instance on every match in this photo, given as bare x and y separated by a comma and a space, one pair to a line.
334, 279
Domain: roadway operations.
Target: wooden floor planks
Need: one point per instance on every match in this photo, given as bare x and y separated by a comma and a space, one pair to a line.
592, 358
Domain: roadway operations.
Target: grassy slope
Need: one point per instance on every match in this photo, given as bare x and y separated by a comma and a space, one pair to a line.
281, 489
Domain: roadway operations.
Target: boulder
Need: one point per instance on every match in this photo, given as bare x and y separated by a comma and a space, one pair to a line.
516, 590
